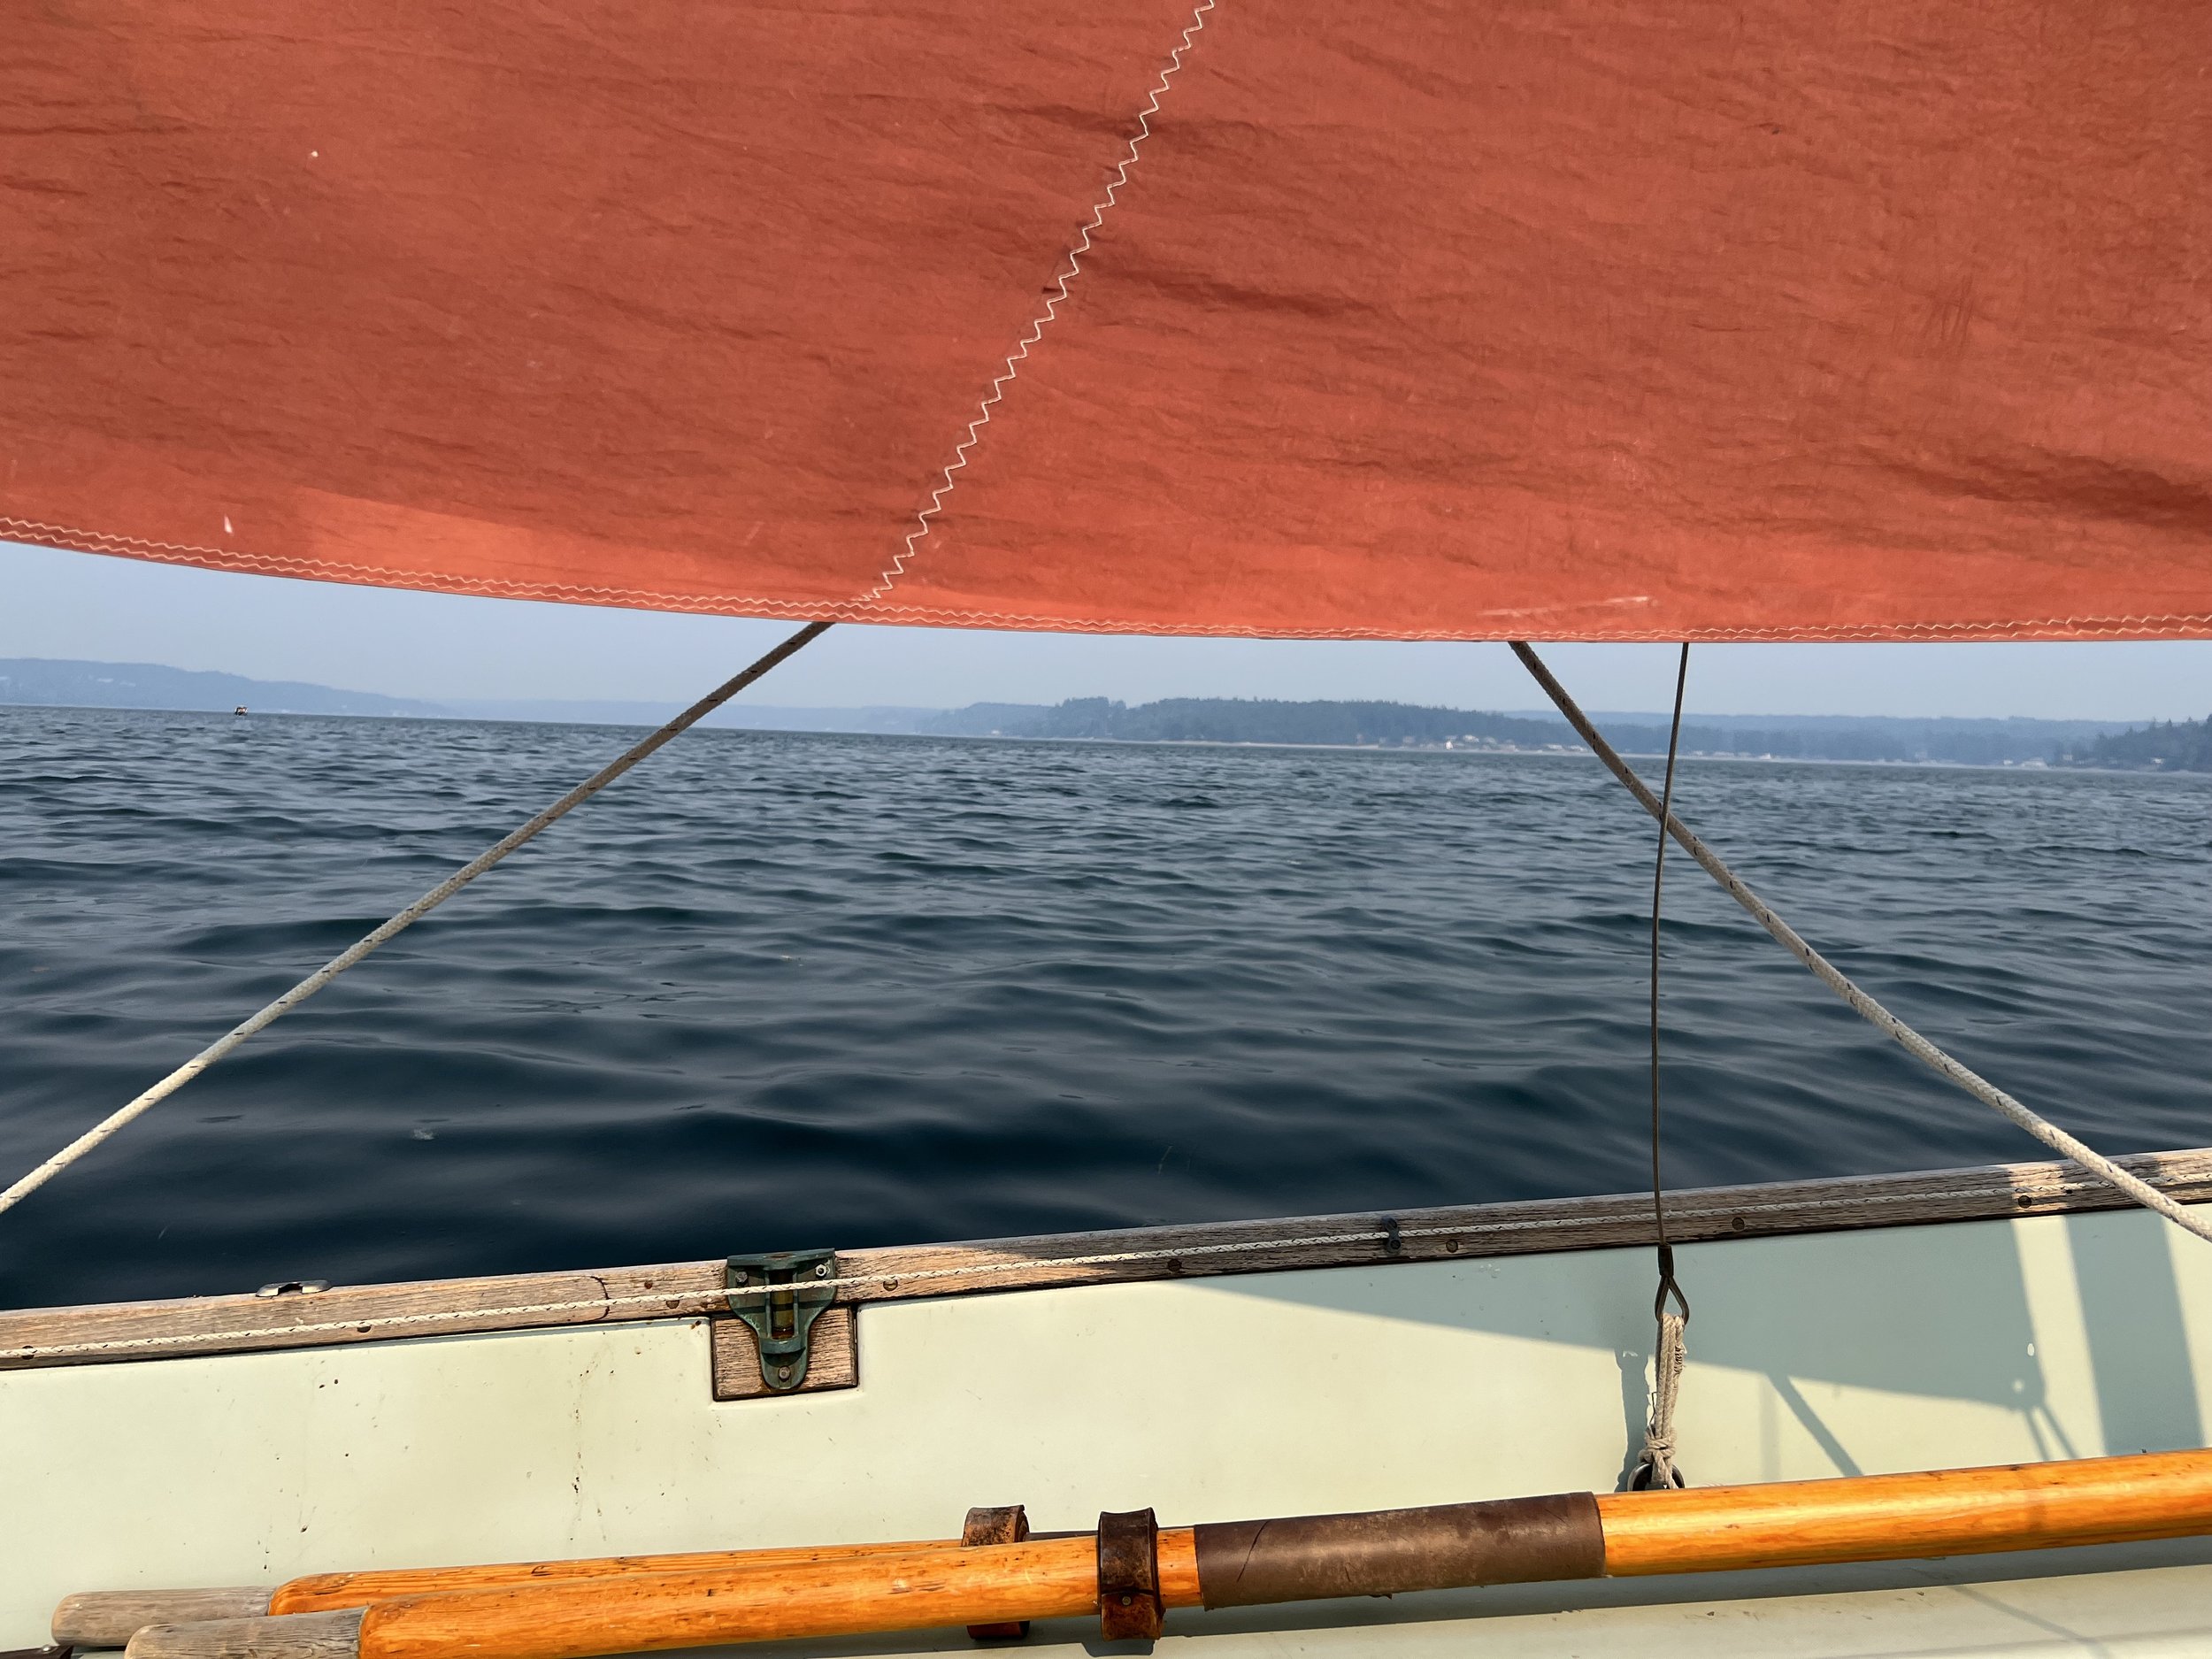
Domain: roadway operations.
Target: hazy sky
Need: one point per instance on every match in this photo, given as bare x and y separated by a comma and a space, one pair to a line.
428, 645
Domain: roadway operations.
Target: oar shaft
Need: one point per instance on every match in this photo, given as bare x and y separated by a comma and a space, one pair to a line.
324, 1591
110, 1618
1960, 1512
1894, 1518
573, 1619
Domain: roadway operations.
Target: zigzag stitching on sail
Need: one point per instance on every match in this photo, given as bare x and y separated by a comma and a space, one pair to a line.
1020, 354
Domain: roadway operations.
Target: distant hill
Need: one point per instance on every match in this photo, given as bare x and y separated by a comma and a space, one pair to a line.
1398, 724
2162, 745
755, 716
54, 682
2016, 741
1182, 721
1240, 721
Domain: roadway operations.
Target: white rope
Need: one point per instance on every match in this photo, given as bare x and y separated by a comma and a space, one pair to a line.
422, 907
1666, 1390
1913, 1043
460, 878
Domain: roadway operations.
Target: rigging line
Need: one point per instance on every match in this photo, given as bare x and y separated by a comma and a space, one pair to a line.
1667, 1284
406, 918
1670, 1352
1913, 1043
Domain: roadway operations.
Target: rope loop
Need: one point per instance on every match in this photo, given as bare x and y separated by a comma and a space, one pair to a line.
1669, 1290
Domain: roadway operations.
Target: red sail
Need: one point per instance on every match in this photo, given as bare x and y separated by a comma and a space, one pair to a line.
1410, 318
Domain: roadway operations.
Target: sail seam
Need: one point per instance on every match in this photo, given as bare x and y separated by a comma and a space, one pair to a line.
948, 478
72, 539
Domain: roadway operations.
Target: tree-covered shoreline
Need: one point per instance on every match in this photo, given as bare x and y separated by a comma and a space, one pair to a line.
1976, 742
2162, 745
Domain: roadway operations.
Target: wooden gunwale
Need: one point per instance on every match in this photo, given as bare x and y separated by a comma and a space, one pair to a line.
121, 1332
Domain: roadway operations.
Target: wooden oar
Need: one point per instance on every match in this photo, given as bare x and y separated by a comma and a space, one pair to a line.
2034, 1506
109, 1618
1895, 1518
993, 1584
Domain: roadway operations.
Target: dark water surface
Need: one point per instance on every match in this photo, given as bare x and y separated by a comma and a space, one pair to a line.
782, 990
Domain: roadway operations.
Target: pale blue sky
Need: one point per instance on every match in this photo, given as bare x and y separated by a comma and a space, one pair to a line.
430, 645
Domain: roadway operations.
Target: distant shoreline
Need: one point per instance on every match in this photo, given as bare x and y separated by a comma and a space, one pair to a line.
1320, 723
1630, 748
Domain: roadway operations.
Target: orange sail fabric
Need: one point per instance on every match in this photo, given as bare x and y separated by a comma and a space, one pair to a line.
1409, 319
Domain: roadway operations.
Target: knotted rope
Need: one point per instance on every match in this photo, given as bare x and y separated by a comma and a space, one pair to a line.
1657, 1467
1913, 1043
406, 919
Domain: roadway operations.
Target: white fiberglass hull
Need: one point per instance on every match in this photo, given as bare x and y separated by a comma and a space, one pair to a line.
1875, 1350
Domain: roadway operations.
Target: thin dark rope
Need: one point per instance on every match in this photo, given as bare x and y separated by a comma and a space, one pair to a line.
1668, 1285
1826, 971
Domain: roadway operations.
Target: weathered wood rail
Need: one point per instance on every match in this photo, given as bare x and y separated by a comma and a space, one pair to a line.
121, 1332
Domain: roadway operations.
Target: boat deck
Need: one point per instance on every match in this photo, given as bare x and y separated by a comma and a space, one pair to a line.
1835, 1333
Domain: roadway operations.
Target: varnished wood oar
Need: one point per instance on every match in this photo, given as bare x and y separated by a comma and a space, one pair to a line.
1894, 1518
110, 1618
2034, 1506
992, 1584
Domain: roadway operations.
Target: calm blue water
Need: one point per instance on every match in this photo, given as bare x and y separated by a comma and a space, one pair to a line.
783, 990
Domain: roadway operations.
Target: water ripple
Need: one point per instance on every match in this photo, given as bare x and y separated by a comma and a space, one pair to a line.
776, 990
